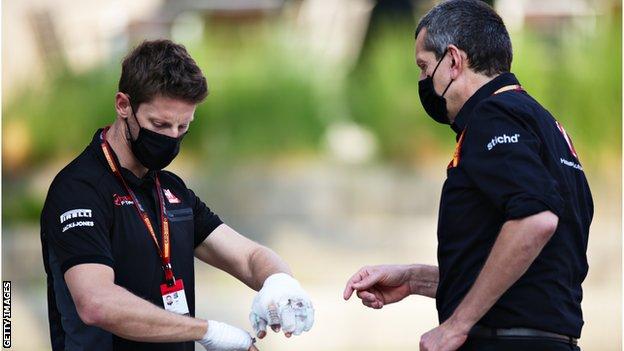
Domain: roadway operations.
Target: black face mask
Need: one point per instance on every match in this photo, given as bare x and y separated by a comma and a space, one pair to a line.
154, 150
434, 104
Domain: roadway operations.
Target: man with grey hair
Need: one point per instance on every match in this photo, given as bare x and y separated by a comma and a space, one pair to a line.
515, 209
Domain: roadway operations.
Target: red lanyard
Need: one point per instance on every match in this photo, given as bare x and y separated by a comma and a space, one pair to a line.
165, 253
455, 160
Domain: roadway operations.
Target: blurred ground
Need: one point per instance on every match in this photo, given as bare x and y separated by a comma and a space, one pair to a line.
327, 220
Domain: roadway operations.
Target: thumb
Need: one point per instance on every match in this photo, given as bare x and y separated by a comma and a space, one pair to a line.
368, 281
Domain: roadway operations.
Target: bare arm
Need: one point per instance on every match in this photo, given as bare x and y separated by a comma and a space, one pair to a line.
381, 285
518, 244
102, 303
424, 280
245, 259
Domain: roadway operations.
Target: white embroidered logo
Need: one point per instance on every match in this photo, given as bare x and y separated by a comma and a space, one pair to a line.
79, 212
78, 224
503, 139
571, 164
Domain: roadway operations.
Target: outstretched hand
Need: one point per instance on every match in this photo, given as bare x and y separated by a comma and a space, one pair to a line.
380, 285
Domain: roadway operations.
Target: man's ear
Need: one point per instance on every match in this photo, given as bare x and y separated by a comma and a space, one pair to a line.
122, 105
457, 61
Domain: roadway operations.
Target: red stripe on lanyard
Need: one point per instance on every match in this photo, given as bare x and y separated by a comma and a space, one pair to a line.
165, 252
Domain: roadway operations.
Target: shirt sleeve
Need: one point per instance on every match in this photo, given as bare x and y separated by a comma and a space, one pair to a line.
206, 221
77, 224
502, 157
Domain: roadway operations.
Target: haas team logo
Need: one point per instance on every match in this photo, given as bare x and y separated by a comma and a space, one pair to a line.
121, 200
567, 139
170, 197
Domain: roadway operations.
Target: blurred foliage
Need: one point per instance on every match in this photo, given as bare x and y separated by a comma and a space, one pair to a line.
263, 100
575, 73
578, 77
270, 97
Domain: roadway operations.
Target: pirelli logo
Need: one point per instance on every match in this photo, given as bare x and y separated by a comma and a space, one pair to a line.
79, 212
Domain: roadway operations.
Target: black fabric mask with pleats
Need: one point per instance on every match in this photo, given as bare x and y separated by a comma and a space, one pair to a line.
154, 150
434, 104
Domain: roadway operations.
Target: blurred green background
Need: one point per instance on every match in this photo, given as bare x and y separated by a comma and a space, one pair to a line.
271, 98
290, 116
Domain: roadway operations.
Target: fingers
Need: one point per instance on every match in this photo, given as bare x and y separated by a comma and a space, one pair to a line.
369, 299
259, 325
292, 316
288, 319
358, 276
348, 291
297, 316
364, 279
304, 320
299, 325
309, 321
366, 296
367, 281
262, 324
274, 318
374, 304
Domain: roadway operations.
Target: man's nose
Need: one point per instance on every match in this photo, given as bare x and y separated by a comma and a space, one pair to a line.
173, 132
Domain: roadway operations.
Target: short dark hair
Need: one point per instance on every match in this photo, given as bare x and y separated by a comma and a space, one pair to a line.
161, 67
472, 26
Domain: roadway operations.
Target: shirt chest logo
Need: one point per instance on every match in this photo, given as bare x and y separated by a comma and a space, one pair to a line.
171, 198
122, 200
503, 139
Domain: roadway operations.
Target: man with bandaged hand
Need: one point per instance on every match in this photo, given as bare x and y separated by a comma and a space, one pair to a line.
119, 233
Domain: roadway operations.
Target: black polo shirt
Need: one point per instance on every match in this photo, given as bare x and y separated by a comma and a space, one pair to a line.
514, 160
88, 217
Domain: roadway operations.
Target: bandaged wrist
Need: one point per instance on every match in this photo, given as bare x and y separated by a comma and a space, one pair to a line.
224, 337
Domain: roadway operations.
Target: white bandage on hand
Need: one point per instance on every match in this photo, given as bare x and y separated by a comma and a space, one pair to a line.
282, 301
224, 337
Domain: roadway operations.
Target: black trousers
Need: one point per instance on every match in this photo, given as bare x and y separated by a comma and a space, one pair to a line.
515, 344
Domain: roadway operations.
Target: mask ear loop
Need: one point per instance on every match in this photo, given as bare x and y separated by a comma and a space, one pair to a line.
129, 136
447, 87
436, 68
449, 84
439, 62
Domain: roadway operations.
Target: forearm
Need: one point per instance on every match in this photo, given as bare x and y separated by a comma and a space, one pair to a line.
424, 280
262, 263
518, 244
131, 317
248, 261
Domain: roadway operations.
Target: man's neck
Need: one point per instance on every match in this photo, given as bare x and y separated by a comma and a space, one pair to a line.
474, 82
116, 137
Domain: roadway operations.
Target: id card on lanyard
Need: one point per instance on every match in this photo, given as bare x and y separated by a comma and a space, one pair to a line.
172, 290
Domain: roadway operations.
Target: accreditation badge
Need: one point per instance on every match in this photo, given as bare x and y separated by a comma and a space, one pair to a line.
174, 298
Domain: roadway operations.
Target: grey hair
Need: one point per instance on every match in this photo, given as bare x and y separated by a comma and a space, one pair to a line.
472, 26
